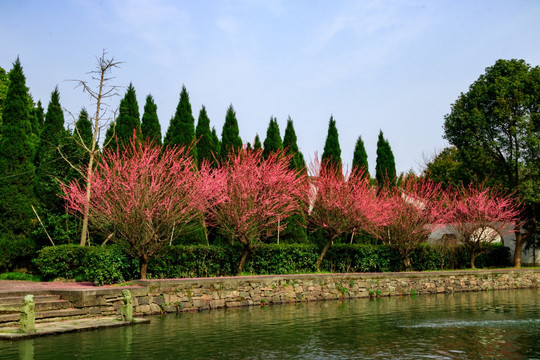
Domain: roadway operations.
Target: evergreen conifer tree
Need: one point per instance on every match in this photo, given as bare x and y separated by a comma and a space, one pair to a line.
34, 123
82, 135
50, 166
230, 135
332, 150
150, 127
273, 142
39, 118
385, 170
4, 84
290, 143
257, 143
181, 130
216, 145
128, 120
109, 136
83, 127
205, 148
53, 127
360, 162
16, 158
295, 232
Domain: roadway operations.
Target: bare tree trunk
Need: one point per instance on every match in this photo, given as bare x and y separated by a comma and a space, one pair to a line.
86, 214
104, 65
473, 258
407, 263
323, 252
243, 258
144, 268
278, 231
518, 248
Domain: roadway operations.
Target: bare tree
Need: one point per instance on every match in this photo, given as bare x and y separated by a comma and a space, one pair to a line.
99, 94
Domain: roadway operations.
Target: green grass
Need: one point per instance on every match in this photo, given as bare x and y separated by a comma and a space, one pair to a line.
19, 276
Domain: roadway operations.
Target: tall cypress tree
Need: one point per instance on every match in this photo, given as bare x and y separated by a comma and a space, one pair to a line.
273, 142
257, 143
150, 127
109, 136
385, 170
16, 158
50, 166
205, 146
128, 120
332, 150
82, 137
4, 84
290, 143
230, 135
39, 118
216, 145
53, 127
360, 162
295, 232
181, 130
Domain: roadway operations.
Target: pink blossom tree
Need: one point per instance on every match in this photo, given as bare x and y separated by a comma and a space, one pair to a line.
258, 193
414, 210
142, 195
343, 204
479, 215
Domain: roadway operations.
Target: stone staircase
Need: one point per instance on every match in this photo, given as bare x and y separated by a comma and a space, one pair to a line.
47, 307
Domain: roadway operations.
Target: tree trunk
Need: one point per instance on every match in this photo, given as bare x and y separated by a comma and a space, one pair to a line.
473, 257
243, 258
278, 231
407, 262
144, 268
323, 252
84, 231
519, 247
521, 238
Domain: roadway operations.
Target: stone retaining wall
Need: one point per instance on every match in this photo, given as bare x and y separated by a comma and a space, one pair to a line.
176, 295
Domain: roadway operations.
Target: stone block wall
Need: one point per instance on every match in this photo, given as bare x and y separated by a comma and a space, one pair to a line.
177, 295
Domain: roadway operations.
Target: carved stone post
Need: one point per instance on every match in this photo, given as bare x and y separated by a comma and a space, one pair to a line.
127, 306
28, 315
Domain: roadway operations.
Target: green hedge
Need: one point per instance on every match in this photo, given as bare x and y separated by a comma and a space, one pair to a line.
344, 258
108, 264
179, 261
282, 259
100, 265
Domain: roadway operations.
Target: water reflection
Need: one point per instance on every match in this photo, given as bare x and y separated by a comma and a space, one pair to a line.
26, 350
494, 325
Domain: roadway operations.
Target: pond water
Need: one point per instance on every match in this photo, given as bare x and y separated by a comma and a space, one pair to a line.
490, 325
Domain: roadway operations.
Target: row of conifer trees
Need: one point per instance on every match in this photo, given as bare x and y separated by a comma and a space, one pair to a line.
38, 151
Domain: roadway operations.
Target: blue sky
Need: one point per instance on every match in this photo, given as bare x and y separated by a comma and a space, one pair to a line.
395, 66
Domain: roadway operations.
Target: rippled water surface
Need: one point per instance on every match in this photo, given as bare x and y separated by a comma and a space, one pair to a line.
492, 325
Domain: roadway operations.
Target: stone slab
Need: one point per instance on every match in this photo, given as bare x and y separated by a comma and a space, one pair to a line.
66, 326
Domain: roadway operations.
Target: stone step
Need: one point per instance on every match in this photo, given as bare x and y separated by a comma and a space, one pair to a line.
42, 305
49, 314
20, 299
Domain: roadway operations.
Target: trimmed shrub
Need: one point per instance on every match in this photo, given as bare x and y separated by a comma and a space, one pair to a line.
283, 259
100, 265
194, 261
345, 258
108, 265
61, 261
